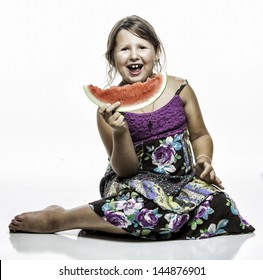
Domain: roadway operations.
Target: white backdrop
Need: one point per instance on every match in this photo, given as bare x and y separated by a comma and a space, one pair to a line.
50, 48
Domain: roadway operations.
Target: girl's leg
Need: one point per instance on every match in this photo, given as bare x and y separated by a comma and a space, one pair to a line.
55, 218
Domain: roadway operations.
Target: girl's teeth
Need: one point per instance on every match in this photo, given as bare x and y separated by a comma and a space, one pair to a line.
134, 66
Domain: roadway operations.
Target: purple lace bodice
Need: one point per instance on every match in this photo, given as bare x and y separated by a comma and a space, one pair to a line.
168, 120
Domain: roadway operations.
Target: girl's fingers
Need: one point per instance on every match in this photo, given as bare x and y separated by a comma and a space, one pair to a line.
108, 108
103, 108
112, 117
207, 170
112, 107
208, 174
219, 183
212, 175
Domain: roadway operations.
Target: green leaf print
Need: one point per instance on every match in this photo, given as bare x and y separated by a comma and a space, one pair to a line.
195, 223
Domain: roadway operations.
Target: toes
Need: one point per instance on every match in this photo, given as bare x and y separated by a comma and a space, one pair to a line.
19, 217
12, 228
15, 224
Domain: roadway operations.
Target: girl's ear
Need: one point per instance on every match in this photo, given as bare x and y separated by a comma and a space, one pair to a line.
158, 54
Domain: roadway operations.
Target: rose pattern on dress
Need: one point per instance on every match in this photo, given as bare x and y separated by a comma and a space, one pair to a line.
129, 211
165, 155
129, 207
176, 221
117, 219
147, 218
202, 212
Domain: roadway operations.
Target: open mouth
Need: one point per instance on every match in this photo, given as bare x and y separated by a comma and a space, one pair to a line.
135, 68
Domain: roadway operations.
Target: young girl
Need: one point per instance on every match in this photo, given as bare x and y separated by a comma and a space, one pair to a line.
152, 188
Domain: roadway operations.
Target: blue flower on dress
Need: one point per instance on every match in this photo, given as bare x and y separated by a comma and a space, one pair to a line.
106, 207
176, 143
204, 210
214, 230
124, 196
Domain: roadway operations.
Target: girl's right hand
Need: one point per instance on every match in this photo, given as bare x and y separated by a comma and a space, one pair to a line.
206, 172
112, 117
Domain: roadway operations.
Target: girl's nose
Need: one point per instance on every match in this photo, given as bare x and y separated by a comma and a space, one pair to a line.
134, 54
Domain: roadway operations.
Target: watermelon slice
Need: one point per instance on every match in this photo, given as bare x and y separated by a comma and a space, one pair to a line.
132, 96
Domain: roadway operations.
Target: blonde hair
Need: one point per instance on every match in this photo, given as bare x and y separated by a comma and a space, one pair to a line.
139, 27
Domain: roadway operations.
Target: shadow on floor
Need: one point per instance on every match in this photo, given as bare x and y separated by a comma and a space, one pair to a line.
89, 246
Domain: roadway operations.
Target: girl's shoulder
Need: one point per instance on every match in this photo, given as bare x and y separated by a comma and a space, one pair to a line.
175, 82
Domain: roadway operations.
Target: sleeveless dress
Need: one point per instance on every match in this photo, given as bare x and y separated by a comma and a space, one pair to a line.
165, 200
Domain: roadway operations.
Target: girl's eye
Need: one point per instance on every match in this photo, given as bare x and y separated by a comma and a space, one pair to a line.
143, 47
124, 49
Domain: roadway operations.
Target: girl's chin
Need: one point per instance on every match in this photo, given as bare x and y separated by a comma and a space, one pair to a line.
138, 77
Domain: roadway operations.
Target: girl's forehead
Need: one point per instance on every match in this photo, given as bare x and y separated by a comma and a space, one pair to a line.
125, 35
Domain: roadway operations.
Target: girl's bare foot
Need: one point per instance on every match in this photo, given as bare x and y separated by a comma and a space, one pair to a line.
55, 218
43, 221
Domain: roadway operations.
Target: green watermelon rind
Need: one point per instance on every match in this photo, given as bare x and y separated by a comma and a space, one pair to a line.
134, 107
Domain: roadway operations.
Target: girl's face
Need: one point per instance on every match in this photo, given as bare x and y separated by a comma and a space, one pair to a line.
134, 57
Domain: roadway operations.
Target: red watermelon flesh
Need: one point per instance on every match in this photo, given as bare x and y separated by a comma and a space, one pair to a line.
132, 96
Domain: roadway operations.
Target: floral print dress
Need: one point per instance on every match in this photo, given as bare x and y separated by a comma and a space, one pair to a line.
165, 200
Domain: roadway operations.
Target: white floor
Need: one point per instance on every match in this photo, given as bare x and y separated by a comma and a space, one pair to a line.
69, 246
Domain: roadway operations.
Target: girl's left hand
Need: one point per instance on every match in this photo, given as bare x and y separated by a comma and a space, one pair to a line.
206, 172
113, 118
